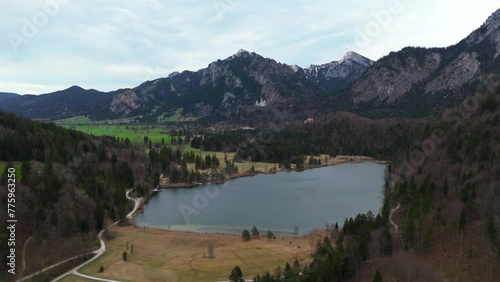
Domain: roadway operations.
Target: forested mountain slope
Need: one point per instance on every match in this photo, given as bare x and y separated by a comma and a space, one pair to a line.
418, 81
448, 185
69, 186
443, 184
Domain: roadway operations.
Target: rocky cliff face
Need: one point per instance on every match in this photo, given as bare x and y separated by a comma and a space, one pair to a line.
235, 88
247, 87
125, 101
336, 75
435, 77
461, 70
392, 77
488, 31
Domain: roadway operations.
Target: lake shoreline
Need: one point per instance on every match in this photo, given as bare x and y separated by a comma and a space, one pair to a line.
368, 164
335, 161
313, 232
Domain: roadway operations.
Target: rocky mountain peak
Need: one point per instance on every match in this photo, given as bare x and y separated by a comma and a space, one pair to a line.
493, 19
490, 28
242, 53
173, 74
492, 24
355, 57
336, 74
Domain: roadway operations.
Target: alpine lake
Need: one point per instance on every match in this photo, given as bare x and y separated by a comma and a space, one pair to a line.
285, 202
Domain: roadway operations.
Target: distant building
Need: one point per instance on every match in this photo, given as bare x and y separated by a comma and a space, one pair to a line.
308, 120
261, 103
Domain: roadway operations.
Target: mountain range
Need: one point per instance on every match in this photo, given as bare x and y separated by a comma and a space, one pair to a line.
6, 95
248, 88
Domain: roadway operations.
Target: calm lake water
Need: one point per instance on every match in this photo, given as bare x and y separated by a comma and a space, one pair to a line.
277, 202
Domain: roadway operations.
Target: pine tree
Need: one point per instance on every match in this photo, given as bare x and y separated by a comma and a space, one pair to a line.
491, 236
387, 245
461, 226
269, 235
409, 233
255, 232
377, 277
236, 275
245, 235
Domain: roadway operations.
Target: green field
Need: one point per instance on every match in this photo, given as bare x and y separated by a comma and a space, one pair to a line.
17, 166
174, 117
75, 120
135, 133
85, 120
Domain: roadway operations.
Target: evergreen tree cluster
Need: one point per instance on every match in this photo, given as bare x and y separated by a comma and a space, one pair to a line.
70, 185
338, 261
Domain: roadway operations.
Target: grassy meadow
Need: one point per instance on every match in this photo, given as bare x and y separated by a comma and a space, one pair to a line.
178, 256
135, 133
155, 133
16, 165
74, 278
174, 117
85, 120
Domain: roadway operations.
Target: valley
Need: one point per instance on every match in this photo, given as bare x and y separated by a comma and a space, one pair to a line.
250, 167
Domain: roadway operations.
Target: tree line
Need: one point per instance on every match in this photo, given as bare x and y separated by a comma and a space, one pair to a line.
70, 185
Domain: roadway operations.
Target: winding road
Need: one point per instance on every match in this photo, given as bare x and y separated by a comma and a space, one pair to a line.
97, 253
24, 254
396, 227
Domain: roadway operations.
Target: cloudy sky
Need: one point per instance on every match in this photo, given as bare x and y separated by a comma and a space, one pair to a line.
48, 45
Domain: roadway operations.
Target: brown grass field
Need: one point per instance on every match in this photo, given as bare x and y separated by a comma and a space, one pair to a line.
74, 278
161, 255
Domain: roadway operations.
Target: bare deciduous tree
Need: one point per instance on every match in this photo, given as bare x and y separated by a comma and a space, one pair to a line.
211, 250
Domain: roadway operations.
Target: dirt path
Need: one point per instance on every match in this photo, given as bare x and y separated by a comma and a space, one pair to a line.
137, 204
102, 249
27, 278
25, 246
396, 227
157, 188
97, 253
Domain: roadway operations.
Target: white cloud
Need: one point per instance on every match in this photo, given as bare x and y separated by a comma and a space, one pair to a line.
113, 44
